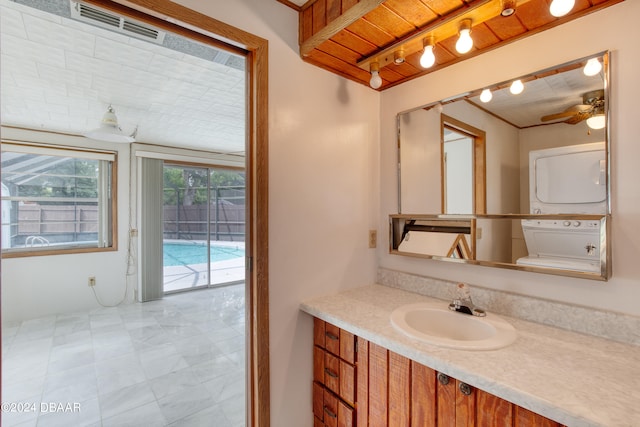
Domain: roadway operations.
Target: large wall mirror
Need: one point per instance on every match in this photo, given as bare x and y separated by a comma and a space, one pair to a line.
527, 159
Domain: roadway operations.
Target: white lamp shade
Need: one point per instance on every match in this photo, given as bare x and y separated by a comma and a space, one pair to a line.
109, 129
597, 122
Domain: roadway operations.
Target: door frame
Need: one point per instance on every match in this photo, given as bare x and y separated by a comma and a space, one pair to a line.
181, 20
479, 162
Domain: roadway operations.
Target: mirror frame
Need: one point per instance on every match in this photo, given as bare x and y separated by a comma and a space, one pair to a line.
397, 221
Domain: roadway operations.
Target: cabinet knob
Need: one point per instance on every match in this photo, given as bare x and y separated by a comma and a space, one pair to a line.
443, 378
465, 389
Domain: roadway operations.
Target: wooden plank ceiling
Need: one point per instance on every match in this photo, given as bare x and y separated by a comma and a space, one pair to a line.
345, 36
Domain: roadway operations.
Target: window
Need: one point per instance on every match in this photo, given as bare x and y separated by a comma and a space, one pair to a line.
56, 200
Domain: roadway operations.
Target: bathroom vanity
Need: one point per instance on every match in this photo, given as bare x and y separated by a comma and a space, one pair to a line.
368, 373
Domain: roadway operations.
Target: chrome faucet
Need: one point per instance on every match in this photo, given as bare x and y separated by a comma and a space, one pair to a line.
463, 303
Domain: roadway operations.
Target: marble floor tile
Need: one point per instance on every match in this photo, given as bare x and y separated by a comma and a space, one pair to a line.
148, 415
125, 399
178, 361
185, 403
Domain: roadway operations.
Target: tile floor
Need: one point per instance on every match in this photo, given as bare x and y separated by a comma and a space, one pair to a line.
174, 362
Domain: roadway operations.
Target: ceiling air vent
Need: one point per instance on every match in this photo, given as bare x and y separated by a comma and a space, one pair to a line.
101, 18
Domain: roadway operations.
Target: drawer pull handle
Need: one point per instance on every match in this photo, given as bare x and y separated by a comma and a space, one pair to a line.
330, 373
443, 378
331, 414
331, 336
465, 389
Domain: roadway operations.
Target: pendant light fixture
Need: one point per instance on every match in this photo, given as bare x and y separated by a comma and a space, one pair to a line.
560, 8
465, 42
109, 129
592, 67
428, 58
376, 80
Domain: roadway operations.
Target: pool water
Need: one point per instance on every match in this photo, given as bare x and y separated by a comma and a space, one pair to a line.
196, 253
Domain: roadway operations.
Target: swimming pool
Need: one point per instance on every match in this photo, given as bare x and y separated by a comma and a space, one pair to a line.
188, 253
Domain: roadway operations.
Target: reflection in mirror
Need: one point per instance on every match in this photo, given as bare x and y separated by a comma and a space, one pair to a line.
557, 108
574, 245
531, 168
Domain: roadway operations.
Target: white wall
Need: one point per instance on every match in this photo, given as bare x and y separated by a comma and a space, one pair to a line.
616, 31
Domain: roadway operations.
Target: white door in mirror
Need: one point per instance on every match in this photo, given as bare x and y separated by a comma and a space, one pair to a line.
437, 325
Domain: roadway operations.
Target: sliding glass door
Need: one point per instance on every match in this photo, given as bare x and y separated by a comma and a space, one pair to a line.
203, 227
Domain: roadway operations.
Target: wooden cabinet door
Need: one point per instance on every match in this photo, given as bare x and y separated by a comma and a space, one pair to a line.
446, 401
378, 385
492, 411
399, 391
362, 385
423, 396
526, 418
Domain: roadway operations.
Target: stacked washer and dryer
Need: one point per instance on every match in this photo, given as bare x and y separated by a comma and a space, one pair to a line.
570, 179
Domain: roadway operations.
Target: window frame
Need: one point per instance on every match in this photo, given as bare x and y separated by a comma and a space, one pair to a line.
110, 207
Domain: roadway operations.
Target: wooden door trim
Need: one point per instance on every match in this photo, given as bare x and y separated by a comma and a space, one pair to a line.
479, 160
173, 17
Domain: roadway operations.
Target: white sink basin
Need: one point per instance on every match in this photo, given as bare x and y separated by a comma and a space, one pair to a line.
436, 324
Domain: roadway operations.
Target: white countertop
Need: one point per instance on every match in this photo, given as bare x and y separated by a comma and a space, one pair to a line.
574, 379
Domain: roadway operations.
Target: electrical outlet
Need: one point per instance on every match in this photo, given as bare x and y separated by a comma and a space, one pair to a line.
479, 233
92, 280
133, 232
373, 238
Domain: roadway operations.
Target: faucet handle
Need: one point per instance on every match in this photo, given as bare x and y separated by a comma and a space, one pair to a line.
463, 292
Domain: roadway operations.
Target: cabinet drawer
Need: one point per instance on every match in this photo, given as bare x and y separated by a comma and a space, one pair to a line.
332, 412
339, 377
335, 340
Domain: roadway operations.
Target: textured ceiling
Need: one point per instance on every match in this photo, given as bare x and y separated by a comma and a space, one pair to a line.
541, 96
59, 74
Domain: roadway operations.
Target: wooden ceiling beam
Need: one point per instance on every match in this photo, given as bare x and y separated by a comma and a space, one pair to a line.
350, 16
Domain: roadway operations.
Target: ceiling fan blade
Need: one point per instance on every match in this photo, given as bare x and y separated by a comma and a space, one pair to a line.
557, 116
583, 115
571, 111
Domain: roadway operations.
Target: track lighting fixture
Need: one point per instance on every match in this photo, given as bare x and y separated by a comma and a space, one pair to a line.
398, 56
560, 8
486, 95
376, 80
592, 67
428, 58
465, 42
516, 87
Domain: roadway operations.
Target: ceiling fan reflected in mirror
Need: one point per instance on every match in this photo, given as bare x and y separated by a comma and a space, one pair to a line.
591, 109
